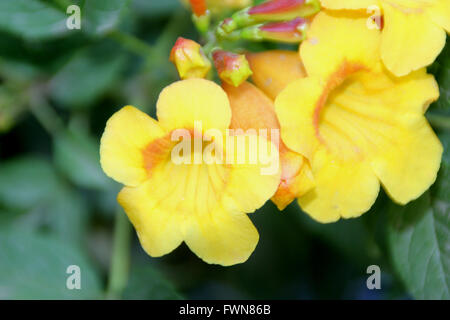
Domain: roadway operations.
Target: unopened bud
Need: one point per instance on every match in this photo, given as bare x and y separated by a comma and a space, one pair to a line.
293, 31
199, 7
232, 68
189, 59
271, 11
201, 15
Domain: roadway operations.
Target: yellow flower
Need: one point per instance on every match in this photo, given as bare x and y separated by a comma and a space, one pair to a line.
253, 108
168, 202
357, 124
414, 30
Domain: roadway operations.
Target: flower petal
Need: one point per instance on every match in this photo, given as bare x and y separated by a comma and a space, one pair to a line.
184, 102
252, 182
295, 107
343, 188
296, 178
274, 70
159, 230
408, 167
253, 110
226, 236
412, 93
126, 134
348, 4
440, 14
410, 39
338, 37
380, 118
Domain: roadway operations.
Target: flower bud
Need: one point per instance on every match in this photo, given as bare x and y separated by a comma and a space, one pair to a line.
199, 7
293, 31
218, 6
221, 6
232, 68
271, 11
201, 16
189, 59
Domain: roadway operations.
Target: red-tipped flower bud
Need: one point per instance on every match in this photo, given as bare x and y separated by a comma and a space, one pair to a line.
271, 11
293, 31
232, 68
201, 16
189, 59
199, 7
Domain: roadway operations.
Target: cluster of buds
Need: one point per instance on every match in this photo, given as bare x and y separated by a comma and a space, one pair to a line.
191, 62
275, 20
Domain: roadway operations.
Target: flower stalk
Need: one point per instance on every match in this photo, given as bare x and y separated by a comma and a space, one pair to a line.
120, 260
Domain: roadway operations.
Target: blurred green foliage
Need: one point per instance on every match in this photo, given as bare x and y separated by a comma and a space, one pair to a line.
57, 89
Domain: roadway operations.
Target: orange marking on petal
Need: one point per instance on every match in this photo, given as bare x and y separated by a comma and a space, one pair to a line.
157, 151
335, 80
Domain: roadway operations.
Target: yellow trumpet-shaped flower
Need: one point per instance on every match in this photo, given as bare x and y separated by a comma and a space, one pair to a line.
272, 71
201, 203
252, 109
413, 33
357, 124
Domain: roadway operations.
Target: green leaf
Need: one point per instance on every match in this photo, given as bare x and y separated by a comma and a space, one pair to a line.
101, 16
67, 216
146, 282
12, 107
32, 19
33, 266
419, 238
77, 156
33, 197
25, 182
441, 189
87, 76
64, 215
155, 8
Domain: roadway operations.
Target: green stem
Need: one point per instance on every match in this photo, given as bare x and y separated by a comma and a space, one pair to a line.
132, 43
45, 114
120, 260
439, 121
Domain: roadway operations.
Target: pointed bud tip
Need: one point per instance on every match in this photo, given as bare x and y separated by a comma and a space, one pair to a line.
289, 31
232, 68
